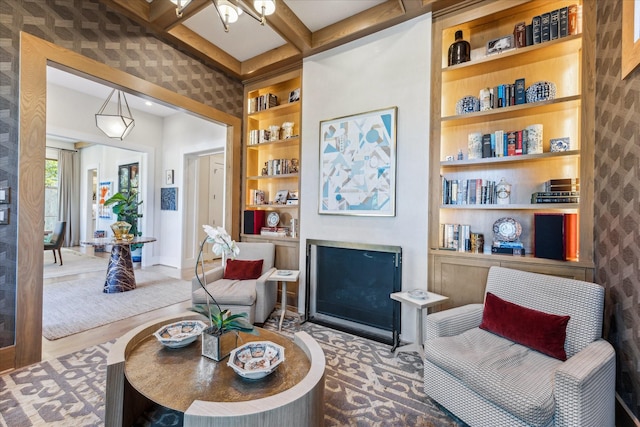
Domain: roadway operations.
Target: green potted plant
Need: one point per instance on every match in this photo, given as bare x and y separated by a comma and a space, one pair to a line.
125, 206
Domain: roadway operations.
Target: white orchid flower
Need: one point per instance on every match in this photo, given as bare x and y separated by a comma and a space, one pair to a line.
221, 241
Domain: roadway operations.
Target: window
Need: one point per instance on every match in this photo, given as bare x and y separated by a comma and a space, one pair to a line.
50, 193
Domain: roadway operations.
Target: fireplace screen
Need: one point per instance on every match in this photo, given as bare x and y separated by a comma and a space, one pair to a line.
349, 287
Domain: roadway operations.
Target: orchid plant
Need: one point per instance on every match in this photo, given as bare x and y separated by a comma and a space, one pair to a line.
220, 320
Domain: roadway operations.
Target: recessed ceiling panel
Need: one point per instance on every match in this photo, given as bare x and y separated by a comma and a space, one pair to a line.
246, 37
317, 14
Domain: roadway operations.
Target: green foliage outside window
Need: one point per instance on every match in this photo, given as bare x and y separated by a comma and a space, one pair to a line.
50, 173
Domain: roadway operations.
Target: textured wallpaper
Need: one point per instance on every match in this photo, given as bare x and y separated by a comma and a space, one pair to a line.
617, 199
91, 29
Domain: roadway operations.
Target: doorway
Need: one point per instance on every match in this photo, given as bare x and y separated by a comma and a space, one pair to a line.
35, 54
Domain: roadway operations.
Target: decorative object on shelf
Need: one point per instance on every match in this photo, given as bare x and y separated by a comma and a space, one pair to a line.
347, 141
477, 243
287, 130
534, 139
506, 230
180, 334
293, 168
281, 197
274, 133
228, 11
221, 336
474, 146
117, 124
560, 144
273, 219
467, 104
460, 154
294, 95
500, 44
121, 230
256, 359
541, 91
459, 51
503, 192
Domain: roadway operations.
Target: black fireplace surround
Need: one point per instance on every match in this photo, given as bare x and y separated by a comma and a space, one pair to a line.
348, 287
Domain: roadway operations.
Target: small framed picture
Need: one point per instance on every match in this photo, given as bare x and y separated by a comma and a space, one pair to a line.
294, 95
500, 44
168, 176
281, 197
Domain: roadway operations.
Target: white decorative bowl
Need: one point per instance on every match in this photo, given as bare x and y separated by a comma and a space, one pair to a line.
180, 334
256, 359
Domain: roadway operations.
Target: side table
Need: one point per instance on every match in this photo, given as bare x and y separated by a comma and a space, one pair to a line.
419, 304
284, 276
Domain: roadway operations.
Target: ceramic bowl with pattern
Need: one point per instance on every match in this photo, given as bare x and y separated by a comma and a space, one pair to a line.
256, 359
180, 334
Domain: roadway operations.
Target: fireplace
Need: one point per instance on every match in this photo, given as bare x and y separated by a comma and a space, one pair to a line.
348, 287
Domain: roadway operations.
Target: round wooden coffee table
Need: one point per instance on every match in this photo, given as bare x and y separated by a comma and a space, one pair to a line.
141, 372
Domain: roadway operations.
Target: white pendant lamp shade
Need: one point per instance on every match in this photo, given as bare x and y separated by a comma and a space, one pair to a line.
115, 121
228, 11
268, 5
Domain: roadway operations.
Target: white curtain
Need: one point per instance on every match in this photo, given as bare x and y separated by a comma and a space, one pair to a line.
69, 194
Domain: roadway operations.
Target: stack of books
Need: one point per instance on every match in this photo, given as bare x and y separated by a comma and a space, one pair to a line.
508, 248
274, 231
561, 190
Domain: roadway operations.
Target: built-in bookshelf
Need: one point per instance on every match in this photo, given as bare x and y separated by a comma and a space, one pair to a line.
271, 167
567, 62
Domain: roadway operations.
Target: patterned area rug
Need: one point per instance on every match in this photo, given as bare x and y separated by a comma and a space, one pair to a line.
72, 263
365, 386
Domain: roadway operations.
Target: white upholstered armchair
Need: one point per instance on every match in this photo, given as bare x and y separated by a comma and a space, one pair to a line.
488, 380
254, 296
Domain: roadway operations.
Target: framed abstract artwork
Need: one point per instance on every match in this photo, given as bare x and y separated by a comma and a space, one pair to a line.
358, 164
169, 199
630, 36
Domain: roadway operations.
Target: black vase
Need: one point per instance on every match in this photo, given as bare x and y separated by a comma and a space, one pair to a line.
459, 51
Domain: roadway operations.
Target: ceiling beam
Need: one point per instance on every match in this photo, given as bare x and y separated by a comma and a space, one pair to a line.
290, 27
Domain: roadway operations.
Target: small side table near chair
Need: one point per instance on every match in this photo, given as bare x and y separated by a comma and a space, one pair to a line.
284, 277
418, 303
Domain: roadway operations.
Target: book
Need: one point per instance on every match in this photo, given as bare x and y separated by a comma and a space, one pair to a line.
518, 244
563, 181
545, 27
555, 193
568, 187
519, 34
563, 23
486, 145
539, 200
511, 143
572, 19
508, 251
499, 137
529, 35
518, 143
535, 28
554, 24
520, 92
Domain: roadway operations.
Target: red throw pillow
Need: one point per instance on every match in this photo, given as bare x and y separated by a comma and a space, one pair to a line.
243, 270
535, 329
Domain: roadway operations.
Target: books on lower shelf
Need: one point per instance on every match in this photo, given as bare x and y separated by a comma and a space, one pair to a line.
456, 237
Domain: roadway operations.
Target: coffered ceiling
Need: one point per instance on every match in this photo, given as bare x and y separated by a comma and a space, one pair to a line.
297, 29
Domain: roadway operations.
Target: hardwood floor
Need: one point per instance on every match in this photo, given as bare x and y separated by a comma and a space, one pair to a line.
111, 331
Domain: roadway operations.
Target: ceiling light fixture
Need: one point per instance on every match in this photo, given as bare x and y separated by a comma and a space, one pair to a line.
118, 124
230, 10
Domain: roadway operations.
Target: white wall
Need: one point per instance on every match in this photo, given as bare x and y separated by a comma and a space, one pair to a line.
386, 69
